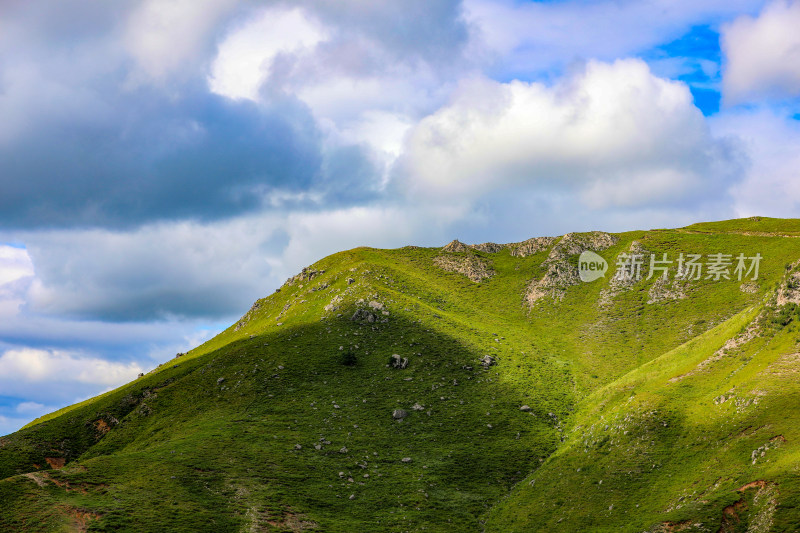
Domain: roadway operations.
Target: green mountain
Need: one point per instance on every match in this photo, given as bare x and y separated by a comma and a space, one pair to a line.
465, 388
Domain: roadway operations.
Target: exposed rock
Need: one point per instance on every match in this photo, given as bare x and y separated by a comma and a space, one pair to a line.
664, 289
789, 291
487, 247
475, 268
417, 407
306, 275
749, 287
530, 246
560, 272
488, 361
525, 408
630, 267
399, 414
395, 361
455, 246
334, 304
376, 305
362, 315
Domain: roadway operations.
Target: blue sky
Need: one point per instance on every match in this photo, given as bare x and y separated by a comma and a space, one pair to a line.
164, 163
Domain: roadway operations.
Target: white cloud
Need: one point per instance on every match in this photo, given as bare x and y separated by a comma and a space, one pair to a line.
763, 54
14, 264
357, 88
47, 380
771, 185
157, 271
31, 366
162, 35
530, 37
16, 274
245, 55
192, 269
614, 133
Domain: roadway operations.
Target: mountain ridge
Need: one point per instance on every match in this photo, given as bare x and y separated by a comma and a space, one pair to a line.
306, 379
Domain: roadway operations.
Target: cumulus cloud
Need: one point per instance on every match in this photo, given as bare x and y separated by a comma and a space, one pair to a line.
81, 145
613, 133
164, 36
772, 143
525, 38
35, 366
245, 56
357, 66
154, 272
191, 270
66, 377
763, 54
16, 274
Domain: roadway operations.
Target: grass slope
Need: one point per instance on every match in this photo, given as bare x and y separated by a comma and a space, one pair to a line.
644, 414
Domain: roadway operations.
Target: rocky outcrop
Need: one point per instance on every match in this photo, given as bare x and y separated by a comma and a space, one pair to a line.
455, 246
488, 247
474, 267
666, 288
516, 249
530, 246
561, 273
306, 275
789, 291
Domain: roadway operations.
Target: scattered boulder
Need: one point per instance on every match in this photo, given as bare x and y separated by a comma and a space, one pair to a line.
399, 414
362, 315
525, 408
220, 380
395, 361
488, 361
350, 281
417, 407
405, 460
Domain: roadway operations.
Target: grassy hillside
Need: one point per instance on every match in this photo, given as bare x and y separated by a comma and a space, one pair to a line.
520, 399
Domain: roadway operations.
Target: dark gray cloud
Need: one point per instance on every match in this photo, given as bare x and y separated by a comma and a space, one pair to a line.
148, 158
87, 143
426, 31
